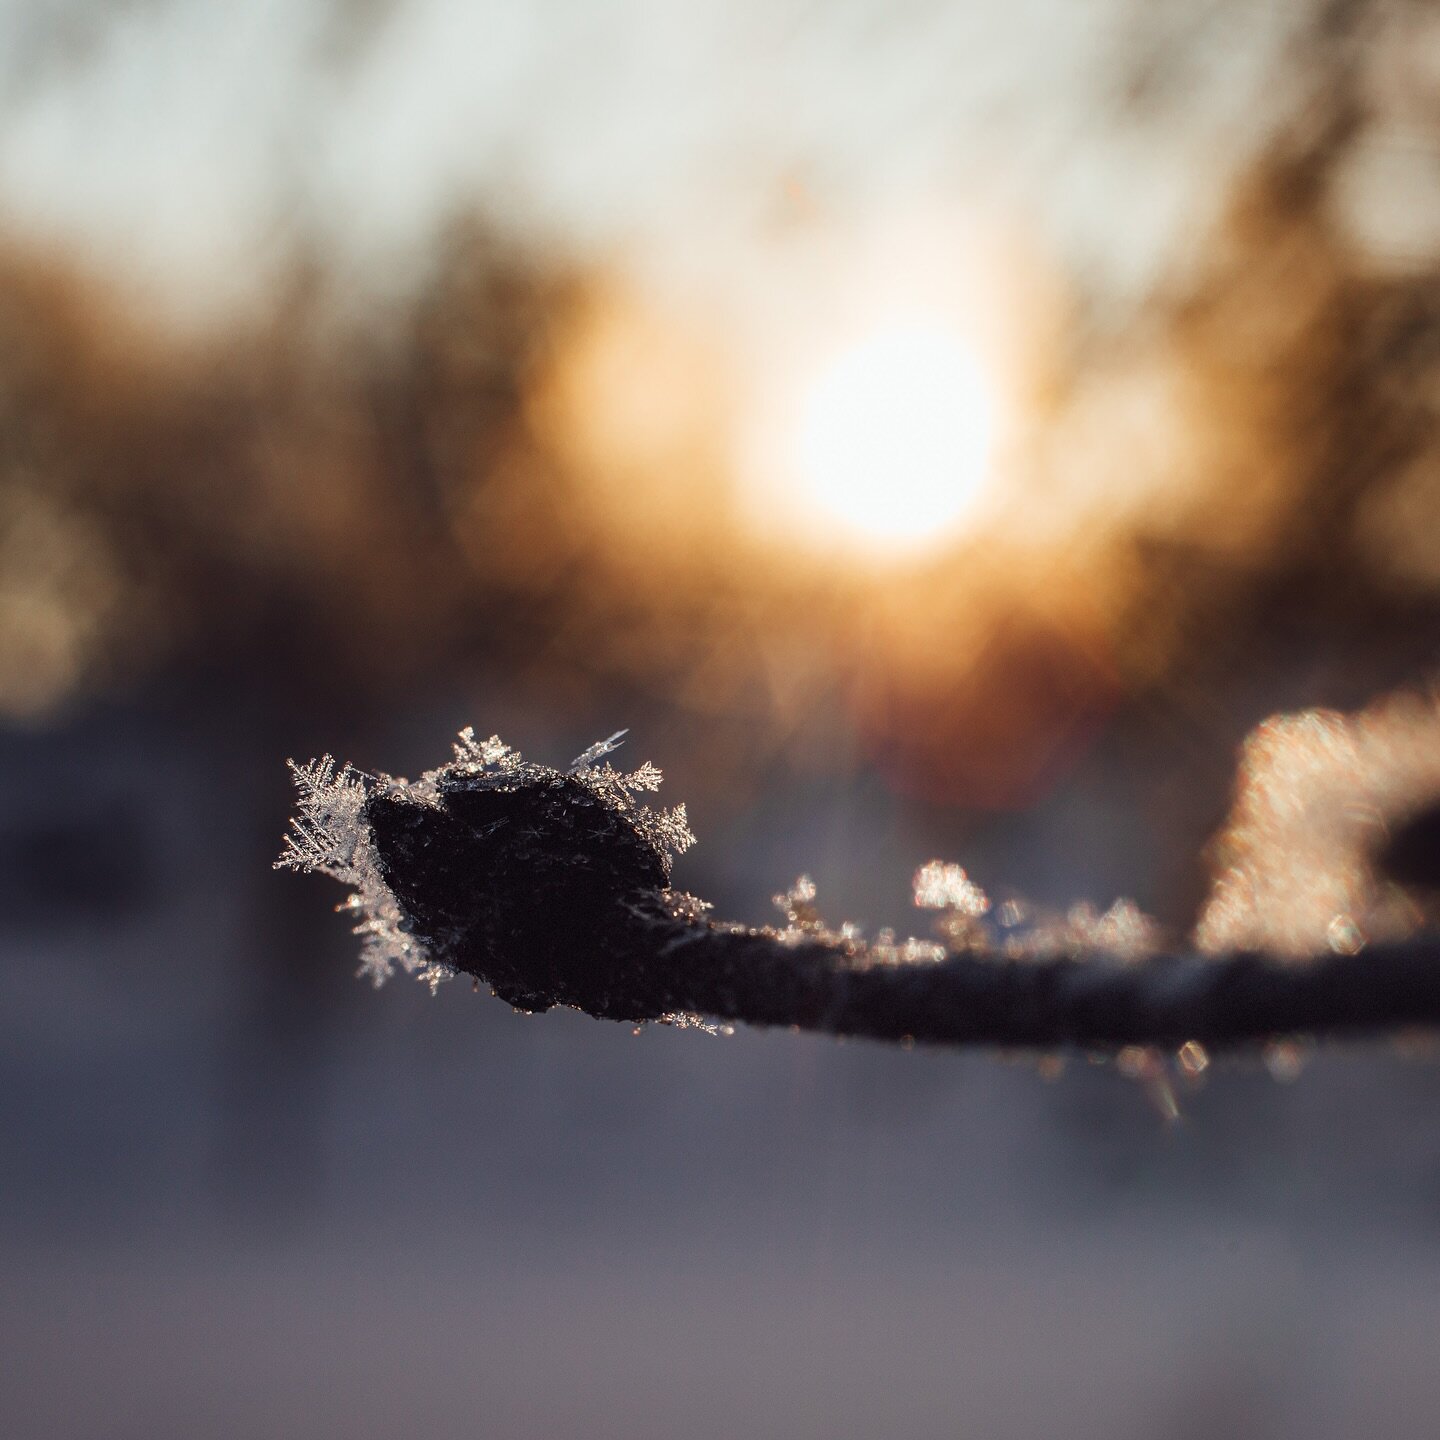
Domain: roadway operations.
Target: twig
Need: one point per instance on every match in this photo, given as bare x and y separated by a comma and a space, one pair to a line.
537, 884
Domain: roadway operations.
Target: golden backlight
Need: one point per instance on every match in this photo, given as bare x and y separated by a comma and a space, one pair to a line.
895, 436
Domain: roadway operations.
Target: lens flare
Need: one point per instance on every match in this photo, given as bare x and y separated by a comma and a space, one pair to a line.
895, 436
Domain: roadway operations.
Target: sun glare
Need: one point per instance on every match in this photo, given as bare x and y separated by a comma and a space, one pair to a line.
895, 436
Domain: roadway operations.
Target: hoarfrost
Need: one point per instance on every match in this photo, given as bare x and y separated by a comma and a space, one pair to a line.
1019, 931
939, 886
688, 1020
885, 949
797, 905
598, 751
473, 754
1316, 794
647, 777
329, 833
1123, 932
325, 834
668, 831
963, 925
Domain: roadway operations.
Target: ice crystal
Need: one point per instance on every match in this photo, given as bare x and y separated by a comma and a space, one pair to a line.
688, 1020
962, 903
330, 834
804, 923
326, 833
939, 886
1316, 793
494, 753
668, 831
598, 751
1123, 932
798, 907
647, 777
885, 949
1193, 1059
966, 924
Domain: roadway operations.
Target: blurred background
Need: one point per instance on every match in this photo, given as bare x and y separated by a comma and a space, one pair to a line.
934, 430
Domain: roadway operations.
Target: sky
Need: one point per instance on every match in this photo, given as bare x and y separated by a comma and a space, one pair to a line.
183, 146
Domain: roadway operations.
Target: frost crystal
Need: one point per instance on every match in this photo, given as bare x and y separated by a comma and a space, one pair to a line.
327, 833
1315, 795
947, 887
798, 906
330, 833
1123, 932
494, 753
598, 751
805, 924
885, 949
668, 831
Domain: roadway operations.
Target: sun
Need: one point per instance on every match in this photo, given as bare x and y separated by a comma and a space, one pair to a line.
895, 436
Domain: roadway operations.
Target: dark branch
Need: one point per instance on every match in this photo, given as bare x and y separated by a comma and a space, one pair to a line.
539, 886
